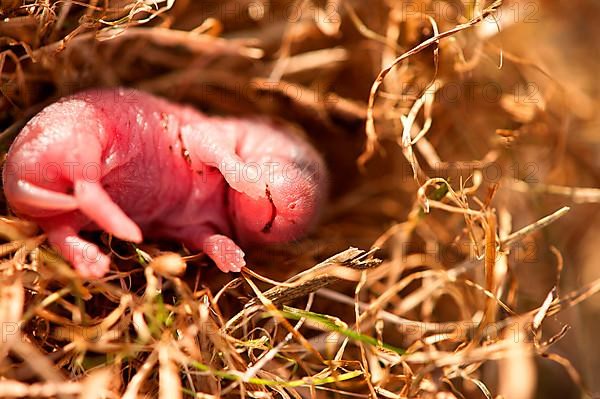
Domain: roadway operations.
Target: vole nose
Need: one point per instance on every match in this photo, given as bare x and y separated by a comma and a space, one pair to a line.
288, 209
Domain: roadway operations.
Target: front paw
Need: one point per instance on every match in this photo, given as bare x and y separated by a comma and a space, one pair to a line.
226, 254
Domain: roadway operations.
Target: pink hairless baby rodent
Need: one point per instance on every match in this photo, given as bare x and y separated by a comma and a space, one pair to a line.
133, 164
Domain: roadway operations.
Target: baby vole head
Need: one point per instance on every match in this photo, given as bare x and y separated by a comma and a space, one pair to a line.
293, 199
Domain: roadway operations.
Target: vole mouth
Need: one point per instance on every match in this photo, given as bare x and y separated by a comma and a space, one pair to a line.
250, 219
269, 224
230, 213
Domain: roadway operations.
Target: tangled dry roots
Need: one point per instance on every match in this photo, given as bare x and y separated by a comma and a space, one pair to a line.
432, 305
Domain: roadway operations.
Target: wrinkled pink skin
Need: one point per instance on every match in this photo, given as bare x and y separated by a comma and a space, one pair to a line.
136, 165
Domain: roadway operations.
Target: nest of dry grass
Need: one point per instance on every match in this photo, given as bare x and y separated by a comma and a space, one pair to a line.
439, 194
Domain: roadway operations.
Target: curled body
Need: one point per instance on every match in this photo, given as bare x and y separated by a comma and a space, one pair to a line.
136, 165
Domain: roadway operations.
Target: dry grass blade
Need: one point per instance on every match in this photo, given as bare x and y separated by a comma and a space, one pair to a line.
280, 318
15, 389
97, 384
517, 235
345, 266
135, 384
169, 384
579, 195
12, 297
370, 128
518, 365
